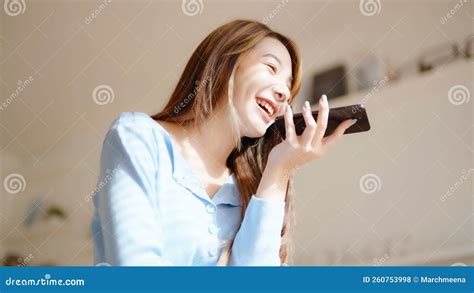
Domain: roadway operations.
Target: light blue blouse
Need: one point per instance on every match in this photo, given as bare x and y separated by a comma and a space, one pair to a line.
151, 210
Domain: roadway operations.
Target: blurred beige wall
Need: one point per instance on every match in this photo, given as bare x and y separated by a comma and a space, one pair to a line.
51, 132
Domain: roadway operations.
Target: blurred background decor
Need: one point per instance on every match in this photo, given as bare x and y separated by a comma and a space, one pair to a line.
331, 82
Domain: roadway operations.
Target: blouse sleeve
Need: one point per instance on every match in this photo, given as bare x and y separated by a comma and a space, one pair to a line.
257, 243
130, 228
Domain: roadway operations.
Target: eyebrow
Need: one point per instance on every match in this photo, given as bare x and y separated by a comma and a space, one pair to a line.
290, 79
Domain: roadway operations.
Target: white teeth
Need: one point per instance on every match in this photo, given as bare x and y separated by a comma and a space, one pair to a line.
266, 105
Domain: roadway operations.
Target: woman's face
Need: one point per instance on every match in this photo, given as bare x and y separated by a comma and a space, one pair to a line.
262, 86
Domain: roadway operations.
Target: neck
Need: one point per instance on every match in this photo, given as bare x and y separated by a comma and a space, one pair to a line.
213, 142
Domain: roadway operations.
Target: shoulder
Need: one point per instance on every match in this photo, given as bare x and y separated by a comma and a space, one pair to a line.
137, 123
133, 118
136, 128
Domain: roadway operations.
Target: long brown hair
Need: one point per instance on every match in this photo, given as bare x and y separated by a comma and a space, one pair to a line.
208, 77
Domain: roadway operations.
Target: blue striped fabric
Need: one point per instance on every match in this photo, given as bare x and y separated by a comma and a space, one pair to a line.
151, 210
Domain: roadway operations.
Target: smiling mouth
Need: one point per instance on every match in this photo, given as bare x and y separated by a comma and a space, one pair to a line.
267, 107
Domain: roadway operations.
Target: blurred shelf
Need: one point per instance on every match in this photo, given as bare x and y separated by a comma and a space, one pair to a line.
403, 81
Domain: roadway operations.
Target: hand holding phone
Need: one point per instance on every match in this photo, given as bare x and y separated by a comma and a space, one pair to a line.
336, 116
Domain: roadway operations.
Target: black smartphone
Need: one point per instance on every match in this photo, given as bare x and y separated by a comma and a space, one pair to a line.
336, 116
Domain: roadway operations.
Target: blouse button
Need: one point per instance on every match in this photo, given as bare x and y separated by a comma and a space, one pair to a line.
212, 251
210, 208
213, 229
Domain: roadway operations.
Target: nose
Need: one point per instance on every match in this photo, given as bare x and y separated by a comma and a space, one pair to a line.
282, 93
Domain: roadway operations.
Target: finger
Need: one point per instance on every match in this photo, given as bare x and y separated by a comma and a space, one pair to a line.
331, 140
289, 124
323, 115
310, 129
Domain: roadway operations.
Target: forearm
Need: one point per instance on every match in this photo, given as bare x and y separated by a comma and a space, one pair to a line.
258, 240
274, 182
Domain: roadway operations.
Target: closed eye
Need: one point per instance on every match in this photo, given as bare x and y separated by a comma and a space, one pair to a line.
272, 67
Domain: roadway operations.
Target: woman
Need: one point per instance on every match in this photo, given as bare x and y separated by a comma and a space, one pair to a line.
207, 181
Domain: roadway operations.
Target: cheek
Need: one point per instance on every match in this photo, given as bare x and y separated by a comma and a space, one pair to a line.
249, 83
242, 90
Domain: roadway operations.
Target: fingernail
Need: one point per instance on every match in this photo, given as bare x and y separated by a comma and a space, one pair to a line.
354, 121
288, 107
324, 98
306, 104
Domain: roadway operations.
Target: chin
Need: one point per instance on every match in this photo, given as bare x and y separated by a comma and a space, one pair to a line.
254, 124
255, 129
